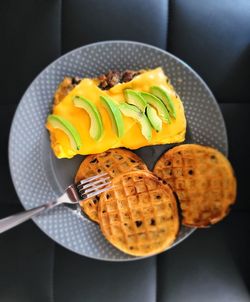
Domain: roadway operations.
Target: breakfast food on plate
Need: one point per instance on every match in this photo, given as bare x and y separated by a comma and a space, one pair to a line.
113, 162
130, 109
203, 180
139, 215
65, 87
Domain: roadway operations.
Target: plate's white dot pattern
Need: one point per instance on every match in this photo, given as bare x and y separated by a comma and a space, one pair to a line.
64, 225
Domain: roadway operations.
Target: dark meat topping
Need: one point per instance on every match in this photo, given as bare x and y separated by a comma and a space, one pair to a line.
128, 75
75, 80
107, 81
65, 87
112, 78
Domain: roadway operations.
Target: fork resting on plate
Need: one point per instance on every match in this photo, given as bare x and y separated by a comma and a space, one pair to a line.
85, 189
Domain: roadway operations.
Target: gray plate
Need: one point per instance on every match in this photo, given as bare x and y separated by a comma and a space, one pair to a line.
38, 176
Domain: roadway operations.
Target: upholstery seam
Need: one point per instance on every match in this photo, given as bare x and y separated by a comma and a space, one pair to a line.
229, 101
53, 274
169, 24
156, 279
60, 27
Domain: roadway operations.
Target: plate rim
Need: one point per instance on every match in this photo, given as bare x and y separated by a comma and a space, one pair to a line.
22, 99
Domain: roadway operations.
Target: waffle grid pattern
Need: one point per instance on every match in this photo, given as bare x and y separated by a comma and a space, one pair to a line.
139, 215
113, 162
203, 180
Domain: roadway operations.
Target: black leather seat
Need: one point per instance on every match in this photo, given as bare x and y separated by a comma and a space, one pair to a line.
214, 38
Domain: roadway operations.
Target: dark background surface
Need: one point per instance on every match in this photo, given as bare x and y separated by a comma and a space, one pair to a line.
213, 37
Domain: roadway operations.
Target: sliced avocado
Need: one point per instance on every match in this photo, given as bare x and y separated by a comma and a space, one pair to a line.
61, 123
115, 115
135, 113
158, 105
96, 126
153, 117
162, 94
134, 98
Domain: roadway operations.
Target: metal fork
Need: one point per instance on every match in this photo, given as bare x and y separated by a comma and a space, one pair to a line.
85, 189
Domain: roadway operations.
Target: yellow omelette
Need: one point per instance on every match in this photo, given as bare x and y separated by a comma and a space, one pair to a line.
133, 138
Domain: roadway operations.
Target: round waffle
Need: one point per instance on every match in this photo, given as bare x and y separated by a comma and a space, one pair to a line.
203, 180
139, 215
113, 162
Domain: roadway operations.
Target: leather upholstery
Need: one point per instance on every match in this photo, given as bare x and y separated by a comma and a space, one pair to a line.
27, 257
103, 281
212, 271
213, 37
236, 117
89, 21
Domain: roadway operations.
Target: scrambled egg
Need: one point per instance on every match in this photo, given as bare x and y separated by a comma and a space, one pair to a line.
133, 138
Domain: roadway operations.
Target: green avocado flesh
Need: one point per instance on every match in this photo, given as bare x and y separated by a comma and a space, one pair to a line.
163, 95
114, 114
59, 122
134, 98
96, 126
135, 113
158, 105
153, 117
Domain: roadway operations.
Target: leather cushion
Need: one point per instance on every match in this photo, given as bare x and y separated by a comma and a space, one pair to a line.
211, 265
89, 21
237, 119
30, 40
8, 194
26, 263
83, 279
213, 37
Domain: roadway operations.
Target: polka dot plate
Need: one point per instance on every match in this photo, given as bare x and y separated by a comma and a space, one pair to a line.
40, 177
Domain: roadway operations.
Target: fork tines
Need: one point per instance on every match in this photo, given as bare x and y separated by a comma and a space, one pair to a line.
94, 185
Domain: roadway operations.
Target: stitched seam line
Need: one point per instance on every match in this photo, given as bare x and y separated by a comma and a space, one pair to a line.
170, 10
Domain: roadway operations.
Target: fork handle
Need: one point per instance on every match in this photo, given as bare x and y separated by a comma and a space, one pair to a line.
16, 219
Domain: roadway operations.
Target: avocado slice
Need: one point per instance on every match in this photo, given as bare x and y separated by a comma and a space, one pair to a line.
153, 117
96, 126
162, 94
133, 97
115, 115
158, 105
61, 123
135, 113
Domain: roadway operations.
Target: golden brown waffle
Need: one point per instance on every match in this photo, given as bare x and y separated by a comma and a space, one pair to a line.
113, 162
139, 215
204, 182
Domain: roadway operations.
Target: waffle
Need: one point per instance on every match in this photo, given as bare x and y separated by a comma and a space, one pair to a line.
203, 180
139, 215
113, 162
